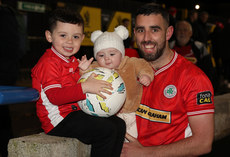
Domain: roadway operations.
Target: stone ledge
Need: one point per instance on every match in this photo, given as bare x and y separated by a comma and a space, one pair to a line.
42, 145
222, 116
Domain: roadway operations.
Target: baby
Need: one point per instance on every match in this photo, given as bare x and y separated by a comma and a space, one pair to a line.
109, 52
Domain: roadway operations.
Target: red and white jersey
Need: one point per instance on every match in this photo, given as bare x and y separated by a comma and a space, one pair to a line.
54, 71
179, 90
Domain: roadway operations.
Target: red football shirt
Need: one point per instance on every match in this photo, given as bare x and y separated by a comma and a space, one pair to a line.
54, 71
179, 90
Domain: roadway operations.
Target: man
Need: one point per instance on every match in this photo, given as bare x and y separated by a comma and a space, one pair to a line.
192, 19
194, 51
175, 117
202, 29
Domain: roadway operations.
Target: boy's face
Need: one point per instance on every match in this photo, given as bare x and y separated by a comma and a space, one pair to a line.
66, 38
109, 58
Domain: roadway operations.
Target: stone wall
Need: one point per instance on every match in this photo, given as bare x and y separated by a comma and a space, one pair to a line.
41, 145
222, 116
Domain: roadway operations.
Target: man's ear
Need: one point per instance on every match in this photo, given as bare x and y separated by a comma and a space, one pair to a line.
134, 32
169, 32
48, 36
83, 36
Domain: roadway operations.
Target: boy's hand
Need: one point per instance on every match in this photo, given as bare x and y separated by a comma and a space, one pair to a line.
145, 80
94, 86
84, 63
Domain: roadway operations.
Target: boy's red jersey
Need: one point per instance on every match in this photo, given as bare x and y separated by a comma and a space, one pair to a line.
54, 71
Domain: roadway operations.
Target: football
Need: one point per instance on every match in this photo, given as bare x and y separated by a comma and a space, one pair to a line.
97, 106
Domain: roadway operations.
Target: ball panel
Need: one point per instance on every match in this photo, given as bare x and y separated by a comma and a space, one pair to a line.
96, 105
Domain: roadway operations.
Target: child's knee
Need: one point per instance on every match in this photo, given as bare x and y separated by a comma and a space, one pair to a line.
119, 125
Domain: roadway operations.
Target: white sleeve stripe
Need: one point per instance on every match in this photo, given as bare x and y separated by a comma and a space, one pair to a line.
200, 112
52, 86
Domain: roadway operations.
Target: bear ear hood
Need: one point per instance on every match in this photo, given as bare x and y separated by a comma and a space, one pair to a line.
105, 40
122, 32
95, 35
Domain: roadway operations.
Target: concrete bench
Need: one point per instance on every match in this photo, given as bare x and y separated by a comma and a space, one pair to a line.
42, 145
222, 116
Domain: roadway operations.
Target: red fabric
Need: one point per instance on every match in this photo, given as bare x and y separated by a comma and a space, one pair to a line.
180, 89
60, 96
56, 77
131, 52
185, 51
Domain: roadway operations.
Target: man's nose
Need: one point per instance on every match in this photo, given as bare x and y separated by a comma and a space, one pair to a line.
147, 36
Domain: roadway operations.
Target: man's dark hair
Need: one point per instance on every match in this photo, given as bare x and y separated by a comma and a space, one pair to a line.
151, 8
65, 15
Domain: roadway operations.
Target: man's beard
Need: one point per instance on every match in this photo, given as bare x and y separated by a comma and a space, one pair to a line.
151, 56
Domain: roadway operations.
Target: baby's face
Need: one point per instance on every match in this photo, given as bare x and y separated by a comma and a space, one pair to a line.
109, 58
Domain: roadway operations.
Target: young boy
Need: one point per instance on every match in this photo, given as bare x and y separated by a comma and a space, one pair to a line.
56, 75
109, 52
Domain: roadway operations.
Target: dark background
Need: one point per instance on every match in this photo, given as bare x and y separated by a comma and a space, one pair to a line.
23, 116
218, 11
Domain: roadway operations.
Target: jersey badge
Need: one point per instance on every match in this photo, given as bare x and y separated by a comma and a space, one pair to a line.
170, 91
204, 98
70, 70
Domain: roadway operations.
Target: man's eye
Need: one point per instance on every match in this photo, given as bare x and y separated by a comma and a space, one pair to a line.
154, 30
101, 55
140, 30
62, 35
112, 54
76, 37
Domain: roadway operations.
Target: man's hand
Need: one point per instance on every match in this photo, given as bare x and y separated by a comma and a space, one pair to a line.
132, 148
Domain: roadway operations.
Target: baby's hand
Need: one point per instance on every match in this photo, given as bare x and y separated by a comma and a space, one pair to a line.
94, 86
84, 63
145, 80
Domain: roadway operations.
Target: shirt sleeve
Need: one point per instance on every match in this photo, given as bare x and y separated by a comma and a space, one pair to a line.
49, 74
60, 96
199, 99
50, 77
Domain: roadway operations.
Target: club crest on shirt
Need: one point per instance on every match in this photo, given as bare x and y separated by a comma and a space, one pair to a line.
170, 91
70, 70
204, 98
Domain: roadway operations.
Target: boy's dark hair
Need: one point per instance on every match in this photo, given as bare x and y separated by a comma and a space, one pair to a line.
151, 8
65, 15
